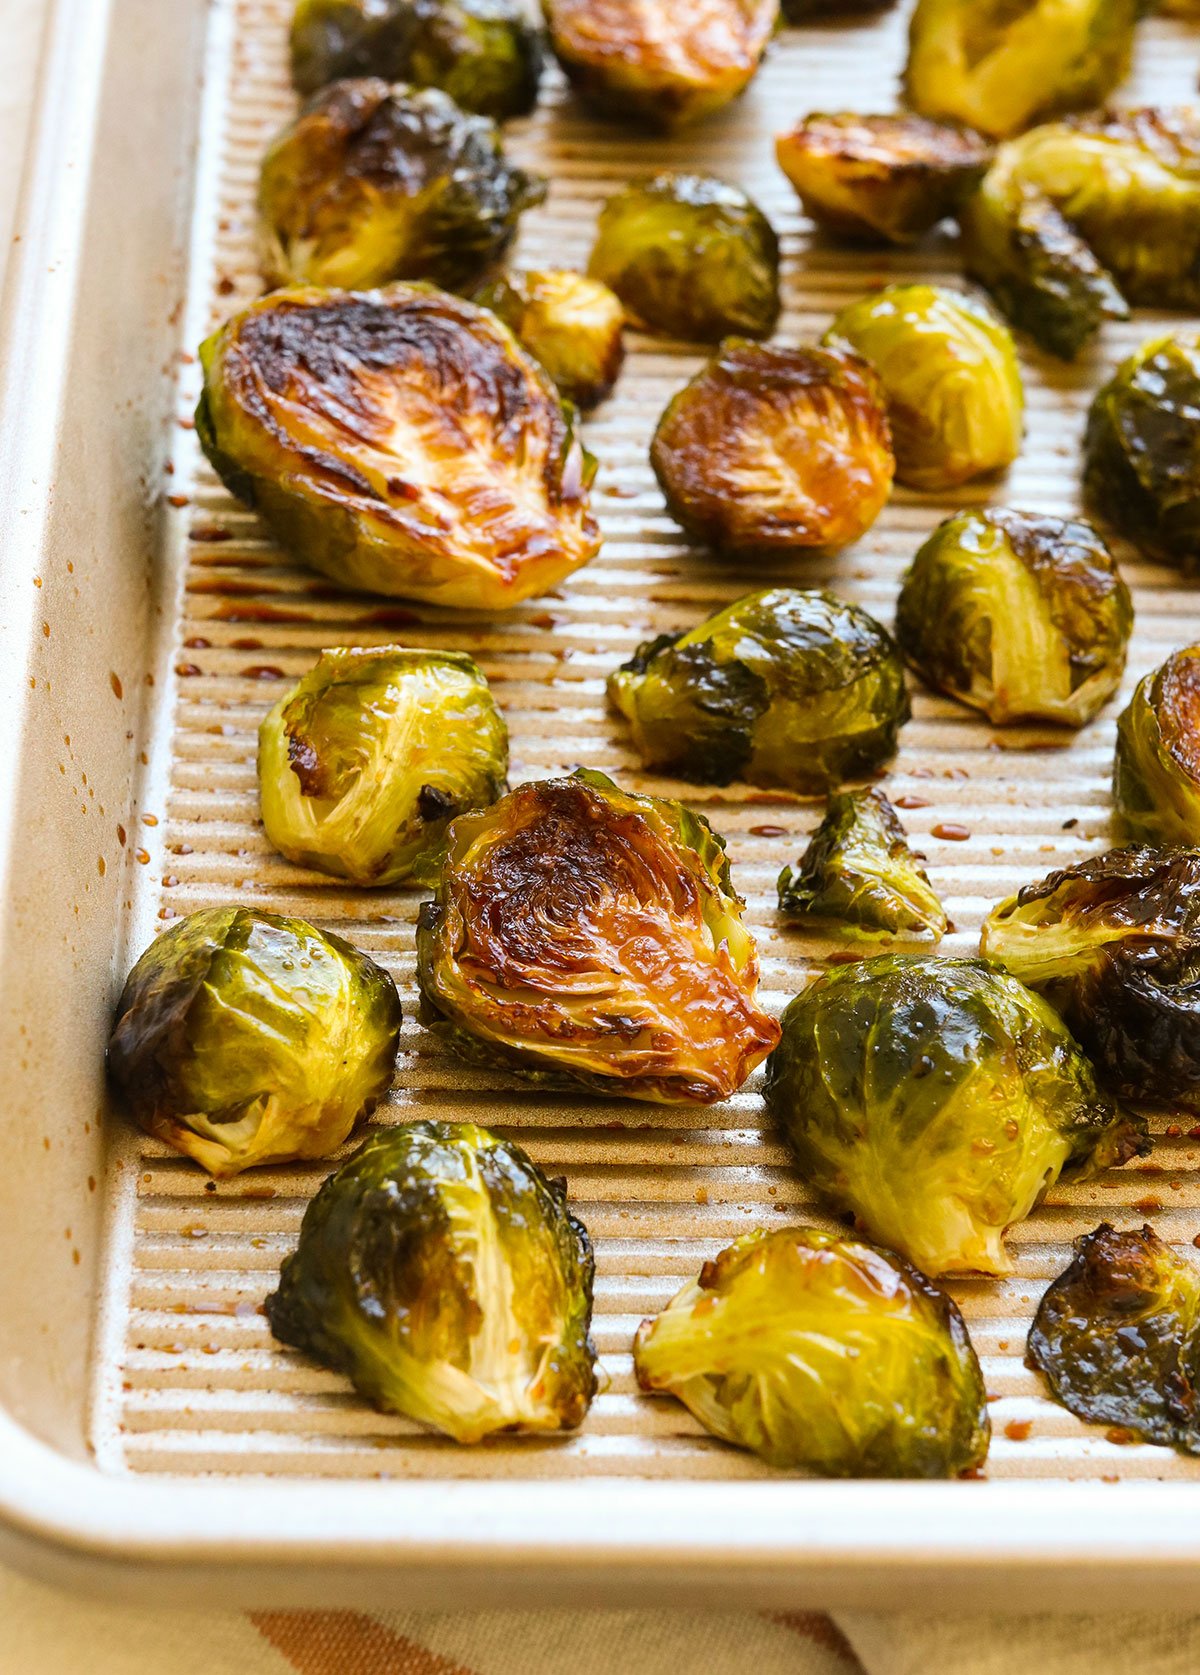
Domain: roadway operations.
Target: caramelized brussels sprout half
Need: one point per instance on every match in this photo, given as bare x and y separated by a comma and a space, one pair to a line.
665, 62
363, 765
399, 441
789, 688
244, 1037
1001, 65
775, 449
584, 936
938, 1100
486, 54
881, 177
950, 377
1156, 775
572, 324
374, 182
1078, 219
859, 878
445, 1276
690, 257
1114, 944
1023, 616
821, 1354
1117, 1337
1142, 450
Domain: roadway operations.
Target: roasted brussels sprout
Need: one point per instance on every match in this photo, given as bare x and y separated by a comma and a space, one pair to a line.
486, 54
375, 182
859, 877
776, 449
243, 1037
1078, 219
1142, 451
1114, 944
665, 62
1024, 616
400, 441
585, 936
938, 1100
1003, 64
1118, 1340
824, 1355
690, 257
890, 177
950, 377
1156, 775
573, 325
363, 765
785, 687
444, 1275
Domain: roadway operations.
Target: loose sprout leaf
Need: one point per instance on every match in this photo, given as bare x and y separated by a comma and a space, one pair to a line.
444, 1275
585, 936
824, 1355
1156, 774
572, 324
938, 1100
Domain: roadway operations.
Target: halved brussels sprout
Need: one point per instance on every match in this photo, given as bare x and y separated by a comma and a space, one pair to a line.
486, 54
690, 257
585, 936
363, 765
1003, 64
445, 1276
939, 1100
1114, 944
400, 441
572, 324
776, 449
1024, 616
1156, 775
1142, 450
1117, 1337
822, 1354
891, 177
244, 1037
859, 878
665, 62
373, 182
784, 687
950, 377
1078, 219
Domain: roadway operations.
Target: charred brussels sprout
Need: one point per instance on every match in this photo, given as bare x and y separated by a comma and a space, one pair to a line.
776, 449
665, 62
373, 183
363, 765
1142, 452
938, 1100
1078, 219
823, 1355
1114, 944
573, 325
690, 257
400, 441
444, 1275
486, 54
584, 936
859, 877
1003, 64
243, 1037
1025, 617
1117, 1337
950, 376
783, 688
889, 177
1156, 775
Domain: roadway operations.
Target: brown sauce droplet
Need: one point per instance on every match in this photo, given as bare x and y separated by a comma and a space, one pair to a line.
768, 831
141, 857
1147, 1206
1017, 1430
178, 500
911, 800
263, 671
245, 645
197, 643
209, 532
950, 831
186, 669
114, 680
